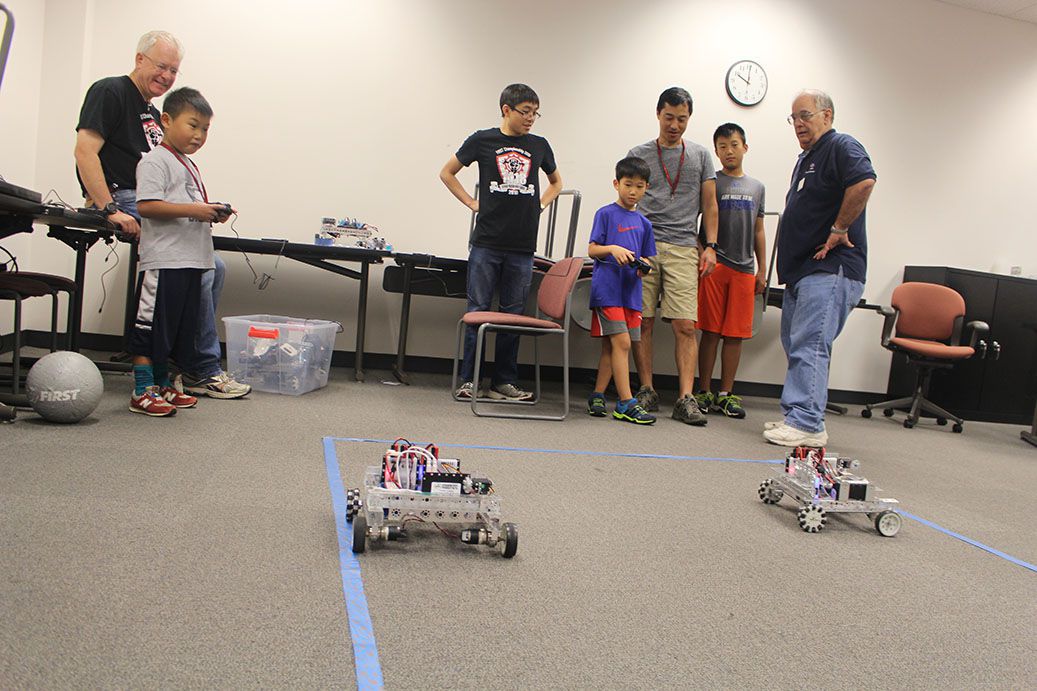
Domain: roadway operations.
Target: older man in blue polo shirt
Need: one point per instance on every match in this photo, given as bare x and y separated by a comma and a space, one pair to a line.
822, 260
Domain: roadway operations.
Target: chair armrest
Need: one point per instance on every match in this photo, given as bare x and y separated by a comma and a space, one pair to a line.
978, 328
889, 320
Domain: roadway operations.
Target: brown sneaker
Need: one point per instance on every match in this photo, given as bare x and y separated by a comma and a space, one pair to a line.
177, 399
151, 403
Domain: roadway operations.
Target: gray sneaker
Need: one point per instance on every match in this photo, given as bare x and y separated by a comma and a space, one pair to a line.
464, 391
647, 398
686, 410
509, 392
220, 386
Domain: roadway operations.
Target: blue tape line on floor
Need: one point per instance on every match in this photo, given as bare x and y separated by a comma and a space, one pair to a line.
575, 452
365, 651
970, 541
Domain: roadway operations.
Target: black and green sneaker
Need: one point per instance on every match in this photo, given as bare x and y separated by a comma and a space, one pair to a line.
631, 411
730, 405
706, 401
596, 405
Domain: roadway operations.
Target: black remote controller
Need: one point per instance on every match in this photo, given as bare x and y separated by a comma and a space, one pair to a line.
642, 266
225, 209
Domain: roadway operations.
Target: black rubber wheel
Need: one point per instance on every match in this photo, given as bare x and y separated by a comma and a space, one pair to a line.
510, 540
888, 523
888, 412
909, 424
865, 413
941, 421
770, 494
359, 533
957, 428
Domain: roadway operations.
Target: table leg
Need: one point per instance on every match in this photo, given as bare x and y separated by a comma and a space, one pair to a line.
361, 321
401, 348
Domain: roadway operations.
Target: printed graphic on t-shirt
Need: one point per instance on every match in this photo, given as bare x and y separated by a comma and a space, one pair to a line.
620, 228
152, 131
514, 166
736, 202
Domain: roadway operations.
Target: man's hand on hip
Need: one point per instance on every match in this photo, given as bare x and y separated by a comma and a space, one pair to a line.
834, 240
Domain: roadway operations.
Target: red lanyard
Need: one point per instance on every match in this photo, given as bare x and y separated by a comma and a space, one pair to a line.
680, 165
196, 178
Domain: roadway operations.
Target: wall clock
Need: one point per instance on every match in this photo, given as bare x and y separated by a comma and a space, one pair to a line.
746, 83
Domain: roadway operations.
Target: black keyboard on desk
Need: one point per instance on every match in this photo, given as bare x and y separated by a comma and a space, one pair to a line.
20, 192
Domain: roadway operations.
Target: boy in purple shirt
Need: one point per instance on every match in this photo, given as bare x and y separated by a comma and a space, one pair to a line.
620, 237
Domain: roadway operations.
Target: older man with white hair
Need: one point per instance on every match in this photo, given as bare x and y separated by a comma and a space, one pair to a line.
118, 125
822, 260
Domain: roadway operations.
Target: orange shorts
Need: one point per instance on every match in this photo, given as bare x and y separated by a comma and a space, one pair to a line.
726, 300
609, 321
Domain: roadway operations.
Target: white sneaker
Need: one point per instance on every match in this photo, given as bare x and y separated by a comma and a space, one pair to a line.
784, 435
509, 392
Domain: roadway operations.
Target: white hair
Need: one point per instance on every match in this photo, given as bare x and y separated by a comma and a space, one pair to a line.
148, 41
822, 101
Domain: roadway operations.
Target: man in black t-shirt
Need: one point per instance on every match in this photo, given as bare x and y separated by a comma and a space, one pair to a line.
502, 244
118, 125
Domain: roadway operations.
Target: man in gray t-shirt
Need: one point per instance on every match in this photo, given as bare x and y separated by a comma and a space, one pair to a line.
727, 296
683, 186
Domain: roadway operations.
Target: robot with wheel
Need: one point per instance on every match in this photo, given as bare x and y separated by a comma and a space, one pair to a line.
824, 483
414, 485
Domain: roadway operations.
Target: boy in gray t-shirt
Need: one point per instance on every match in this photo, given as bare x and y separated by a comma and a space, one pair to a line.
175, 249
727, 296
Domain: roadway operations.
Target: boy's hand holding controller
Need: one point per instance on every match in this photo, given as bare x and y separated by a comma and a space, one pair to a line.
622, 255
211, 212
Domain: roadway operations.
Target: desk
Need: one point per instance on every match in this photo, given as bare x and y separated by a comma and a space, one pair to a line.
76, 229
321, 257
422, 274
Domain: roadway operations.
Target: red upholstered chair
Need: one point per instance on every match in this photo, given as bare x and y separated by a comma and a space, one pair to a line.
929, 321
554, 303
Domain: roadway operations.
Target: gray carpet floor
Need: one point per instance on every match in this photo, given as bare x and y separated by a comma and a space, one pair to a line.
201, 551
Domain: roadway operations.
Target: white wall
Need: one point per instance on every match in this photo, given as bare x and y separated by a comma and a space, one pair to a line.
350, 109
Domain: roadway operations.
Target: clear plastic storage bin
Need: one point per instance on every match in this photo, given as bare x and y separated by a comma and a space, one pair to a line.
280, 354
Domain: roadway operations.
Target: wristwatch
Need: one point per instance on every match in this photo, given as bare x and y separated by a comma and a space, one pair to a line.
712, 245
110, 208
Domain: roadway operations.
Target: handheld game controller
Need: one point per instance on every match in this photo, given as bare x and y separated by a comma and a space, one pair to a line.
642, 266
223, 209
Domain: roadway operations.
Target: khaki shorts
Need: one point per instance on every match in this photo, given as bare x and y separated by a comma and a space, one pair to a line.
676, 276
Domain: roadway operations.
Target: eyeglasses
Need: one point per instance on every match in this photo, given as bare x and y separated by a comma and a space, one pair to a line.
535, 114
162, 67
802, 116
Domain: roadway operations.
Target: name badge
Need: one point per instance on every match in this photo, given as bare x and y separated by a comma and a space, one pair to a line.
802, 181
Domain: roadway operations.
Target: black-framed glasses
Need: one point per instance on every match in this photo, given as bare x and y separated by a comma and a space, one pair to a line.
162, 67
535, 114
802, 116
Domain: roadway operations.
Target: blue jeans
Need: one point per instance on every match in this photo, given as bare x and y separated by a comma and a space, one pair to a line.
813, 312
205, 361
509, 274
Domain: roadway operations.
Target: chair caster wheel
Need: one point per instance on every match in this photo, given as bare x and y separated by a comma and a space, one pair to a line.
865, 413
909, 424
941, 421
957, 428
888, 412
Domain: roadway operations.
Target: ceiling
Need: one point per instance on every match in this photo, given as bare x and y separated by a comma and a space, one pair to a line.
1023, 10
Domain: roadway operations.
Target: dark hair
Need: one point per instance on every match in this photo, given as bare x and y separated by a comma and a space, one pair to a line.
674, 96
515, 94
633, 167
183, 98
728, 129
